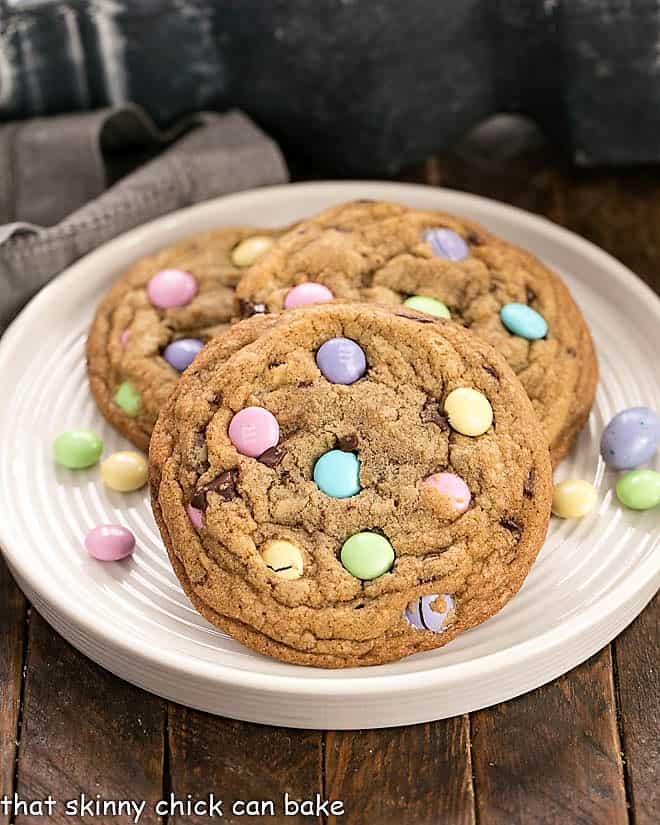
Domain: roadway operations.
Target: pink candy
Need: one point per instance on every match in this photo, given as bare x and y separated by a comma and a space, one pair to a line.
453, 487
253, 431
195, 516
171, 288
123, 339
309, 293
109, 542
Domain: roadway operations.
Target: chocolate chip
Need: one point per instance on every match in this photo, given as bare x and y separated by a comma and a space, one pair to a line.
224, 485
571, 351
249, 308
473, 239
530, 295
528, 486
417, 318
491, 371
358, 607
511, 524
432, 414
347, 443
273, 456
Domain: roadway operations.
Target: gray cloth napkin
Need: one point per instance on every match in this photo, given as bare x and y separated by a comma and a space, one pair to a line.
54, 172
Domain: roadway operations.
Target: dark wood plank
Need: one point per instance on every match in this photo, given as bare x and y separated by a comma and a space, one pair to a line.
419, 774
553, 755
85, 731
12, 629
242, 761
638, 683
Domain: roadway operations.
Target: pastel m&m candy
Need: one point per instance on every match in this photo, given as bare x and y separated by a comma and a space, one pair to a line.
283, 558
125, 471
180, 354
446, 243
341, 361
127, 398
469, 411
523, 321
631, 438
367, 555
251, 249
109, 542
171, 288
429, 612
452, 487
337, 474
307, 293
254, 430
195, 515
431, 306
77, 449
639, 489
573, 498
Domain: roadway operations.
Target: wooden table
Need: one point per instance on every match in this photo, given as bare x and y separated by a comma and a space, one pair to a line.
584, 749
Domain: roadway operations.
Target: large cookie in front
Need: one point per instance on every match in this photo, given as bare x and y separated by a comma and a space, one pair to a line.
388, 253
317, 498
155, 318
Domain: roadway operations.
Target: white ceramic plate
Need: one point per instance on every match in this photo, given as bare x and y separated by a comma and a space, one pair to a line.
591, 579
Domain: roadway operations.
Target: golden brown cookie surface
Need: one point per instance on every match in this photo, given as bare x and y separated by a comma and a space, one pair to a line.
326, 507
388, 253
150, 324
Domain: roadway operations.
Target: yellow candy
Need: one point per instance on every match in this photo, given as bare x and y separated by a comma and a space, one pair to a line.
247, 251
573, 498
125, 471
469, 411
283, 558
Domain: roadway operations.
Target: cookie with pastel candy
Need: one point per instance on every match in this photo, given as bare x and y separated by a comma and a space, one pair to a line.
345, 484
447, 267
156, 318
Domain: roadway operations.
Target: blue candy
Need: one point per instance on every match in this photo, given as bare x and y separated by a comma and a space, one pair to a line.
337, 474
631, 438
524, 321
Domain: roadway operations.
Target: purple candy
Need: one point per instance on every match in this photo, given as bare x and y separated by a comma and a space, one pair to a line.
180, 354
341, 361
446, 244
631, 438
420, 615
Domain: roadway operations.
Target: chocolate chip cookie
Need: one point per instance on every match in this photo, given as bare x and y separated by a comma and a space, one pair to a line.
346, 484
448, 267
158, 316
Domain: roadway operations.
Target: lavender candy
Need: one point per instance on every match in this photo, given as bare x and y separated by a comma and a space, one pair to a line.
446, 243
341, 361
180, 354
422, 617
631, 438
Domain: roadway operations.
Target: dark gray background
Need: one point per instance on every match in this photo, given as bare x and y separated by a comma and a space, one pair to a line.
351, 86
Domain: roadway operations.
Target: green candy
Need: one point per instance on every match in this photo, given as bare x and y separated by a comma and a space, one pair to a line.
428, 305
127, 398
77, 449
367, 555
639, 489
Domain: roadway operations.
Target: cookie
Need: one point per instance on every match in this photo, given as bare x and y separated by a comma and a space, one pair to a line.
346, 484
448, 267
157, 316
